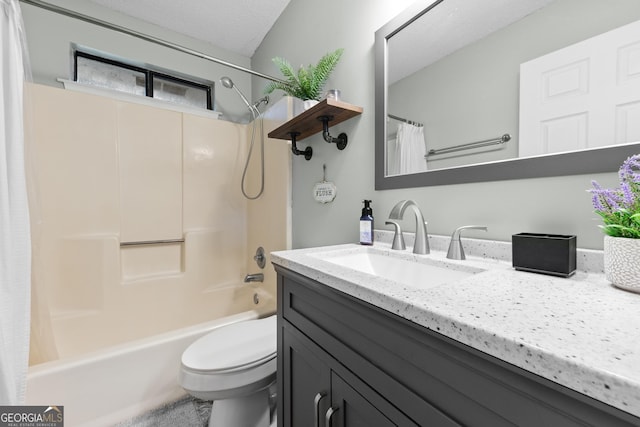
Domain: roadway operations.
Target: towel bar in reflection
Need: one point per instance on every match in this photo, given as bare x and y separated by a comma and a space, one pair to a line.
494, 141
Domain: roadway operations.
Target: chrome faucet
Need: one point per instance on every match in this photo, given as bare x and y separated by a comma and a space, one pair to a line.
421, 244
456, 251
258, 277
398, 238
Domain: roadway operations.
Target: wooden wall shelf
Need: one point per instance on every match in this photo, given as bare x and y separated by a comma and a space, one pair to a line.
308, 123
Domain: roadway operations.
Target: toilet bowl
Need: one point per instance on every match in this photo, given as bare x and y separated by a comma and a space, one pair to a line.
234, 366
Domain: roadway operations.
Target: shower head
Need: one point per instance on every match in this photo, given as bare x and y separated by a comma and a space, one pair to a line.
228, 83
264, 100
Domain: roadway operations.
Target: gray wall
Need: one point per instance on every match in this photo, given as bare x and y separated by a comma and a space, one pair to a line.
306, 30
50, 36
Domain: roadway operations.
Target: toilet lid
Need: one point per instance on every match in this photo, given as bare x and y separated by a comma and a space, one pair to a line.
234, 346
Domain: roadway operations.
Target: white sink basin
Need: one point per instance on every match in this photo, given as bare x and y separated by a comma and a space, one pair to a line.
402, 267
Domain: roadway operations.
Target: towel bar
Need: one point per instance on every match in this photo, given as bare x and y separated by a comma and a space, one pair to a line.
495, 141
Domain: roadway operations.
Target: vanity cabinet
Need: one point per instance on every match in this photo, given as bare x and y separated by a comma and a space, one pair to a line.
321, 395
343, 362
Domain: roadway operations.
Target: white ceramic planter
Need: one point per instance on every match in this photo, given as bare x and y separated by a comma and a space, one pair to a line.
309, 103
622, 262
300, 106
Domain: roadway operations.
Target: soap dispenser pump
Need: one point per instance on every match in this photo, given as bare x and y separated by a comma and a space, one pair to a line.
366, 224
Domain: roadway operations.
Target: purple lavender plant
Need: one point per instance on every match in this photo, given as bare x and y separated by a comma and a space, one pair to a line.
619, 208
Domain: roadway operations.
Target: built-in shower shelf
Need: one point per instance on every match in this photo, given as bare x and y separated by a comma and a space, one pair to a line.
314, 120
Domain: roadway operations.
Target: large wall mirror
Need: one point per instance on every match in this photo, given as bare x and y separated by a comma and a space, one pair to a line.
470, 91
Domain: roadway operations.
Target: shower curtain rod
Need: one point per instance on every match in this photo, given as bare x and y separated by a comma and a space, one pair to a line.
108, 25
402, 119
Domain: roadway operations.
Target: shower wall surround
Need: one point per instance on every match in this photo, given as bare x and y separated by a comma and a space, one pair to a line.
107, 172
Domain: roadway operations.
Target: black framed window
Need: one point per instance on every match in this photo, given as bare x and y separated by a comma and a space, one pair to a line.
116, 75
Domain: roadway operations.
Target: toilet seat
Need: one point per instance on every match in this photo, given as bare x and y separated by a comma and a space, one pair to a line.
238, 346
231, 361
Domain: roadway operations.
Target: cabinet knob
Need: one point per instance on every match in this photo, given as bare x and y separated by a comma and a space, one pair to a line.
328, 415
316, 408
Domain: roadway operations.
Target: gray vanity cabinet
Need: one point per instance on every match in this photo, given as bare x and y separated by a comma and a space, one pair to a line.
317, 393
365, 366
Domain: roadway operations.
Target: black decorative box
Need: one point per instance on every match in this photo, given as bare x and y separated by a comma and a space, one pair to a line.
544, 253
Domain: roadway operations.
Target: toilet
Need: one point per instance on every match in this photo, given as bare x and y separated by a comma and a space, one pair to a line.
234, 366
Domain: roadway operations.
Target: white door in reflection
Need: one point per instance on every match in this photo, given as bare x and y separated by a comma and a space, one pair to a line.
584, 96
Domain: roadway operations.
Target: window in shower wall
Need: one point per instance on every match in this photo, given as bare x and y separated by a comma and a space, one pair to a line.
116, 75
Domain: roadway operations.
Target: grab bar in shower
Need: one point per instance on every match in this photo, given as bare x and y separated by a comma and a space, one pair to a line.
152, 242
494, 141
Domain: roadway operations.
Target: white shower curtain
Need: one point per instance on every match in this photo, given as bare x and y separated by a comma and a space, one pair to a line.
15, 246
409, 150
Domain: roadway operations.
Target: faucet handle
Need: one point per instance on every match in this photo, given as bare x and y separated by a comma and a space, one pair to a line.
456, 251
398, 238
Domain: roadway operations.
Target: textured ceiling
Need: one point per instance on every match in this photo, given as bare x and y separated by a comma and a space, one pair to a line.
235, 25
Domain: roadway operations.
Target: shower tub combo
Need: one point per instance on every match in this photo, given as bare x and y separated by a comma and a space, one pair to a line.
131, 268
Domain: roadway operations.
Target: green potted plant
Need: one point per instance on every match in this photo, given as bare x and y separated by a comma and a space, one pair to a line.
307, 83
620, 211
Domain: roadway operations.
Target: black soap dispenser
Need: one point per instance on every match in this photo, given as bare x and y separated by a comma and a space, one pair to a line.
366, 224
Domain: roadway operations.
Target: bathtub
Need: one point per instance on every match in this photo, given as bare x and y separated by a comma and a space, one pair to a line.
115, 384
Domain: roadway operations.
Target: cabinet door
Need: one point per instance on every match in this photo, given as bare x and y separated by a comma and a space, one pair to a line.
314, 394
350, 409
306, 382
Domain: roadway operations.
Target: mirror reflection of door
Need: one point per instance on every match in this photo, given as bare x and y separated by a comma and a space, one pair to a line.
583, 96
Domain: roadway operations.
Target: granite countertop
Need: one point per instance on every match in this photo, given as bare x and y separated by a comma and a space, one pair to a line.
580, 332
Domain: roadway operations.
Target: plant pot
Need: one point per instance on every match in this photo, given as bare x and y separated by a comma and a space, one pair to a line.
309, 103
622, 262
300, 106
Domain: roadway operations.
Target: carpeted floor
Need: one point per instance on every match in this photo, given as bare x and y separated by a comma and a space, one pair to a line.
187, 412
